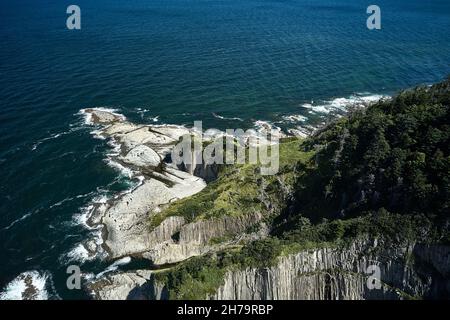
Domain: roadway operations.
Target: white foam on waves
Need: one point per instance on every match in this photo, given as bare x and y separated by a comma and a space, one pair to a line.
114, 266
341, 104
218, 116
30, 285
337, 107
53, 137
79, 253
295, 118
265, 126
127, 172
18, 220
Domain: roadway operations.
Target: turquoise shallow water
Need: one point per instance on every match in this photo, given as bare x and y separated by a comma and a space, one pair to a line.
180, 61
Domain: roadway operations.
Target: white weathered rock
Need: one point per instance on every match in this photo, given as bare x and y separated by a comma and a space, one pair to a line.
100, 116
142, 135
170, 252
299, 133
119, 128
172, 131
142, 156
121, 286
127, 220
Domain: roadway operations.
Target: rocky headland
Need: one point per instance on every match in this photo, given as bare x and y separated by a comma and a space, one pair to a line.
317, 229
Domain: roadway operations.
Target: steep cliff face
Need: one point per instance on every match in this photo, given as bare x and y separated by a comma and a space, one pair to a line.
207, 172
336, 274
126, 220
195, 238
234, 207
203, 231
405, 272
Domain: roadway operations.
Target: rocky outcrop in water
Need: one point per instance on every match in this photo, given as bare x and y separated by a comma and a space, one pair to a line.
141, 148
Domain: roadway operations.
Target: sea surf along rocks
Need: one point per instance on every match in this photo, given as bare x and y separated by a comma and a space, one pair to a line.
144, 151
141, 149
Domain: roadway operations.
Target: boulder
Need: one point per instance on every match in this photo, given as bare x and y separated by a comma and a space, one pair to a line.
142, 156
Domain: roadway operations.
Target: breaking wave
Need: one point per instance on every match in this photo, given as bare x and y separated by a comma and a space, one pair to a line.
29, 285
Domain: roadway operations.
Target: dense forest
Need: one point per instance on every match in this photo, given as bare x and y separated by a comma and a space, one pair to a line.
391, 157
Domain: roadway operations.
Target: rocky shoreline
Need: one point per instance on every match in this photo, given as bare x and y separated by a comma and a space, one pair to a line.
141, 149
124, 220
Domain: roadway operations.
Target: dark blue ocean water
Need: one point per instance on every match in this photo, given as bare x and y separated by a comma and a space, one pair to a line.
181, 60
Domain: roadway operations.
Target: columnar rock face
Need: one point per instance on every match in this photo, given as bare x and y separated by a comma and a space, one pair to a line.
194, 239
415, 270
317, 274
170, 252
199, 168
203, 231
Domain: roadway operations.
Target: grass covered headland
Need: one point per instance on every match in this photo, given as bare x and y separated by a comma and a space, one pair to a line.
382, 172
